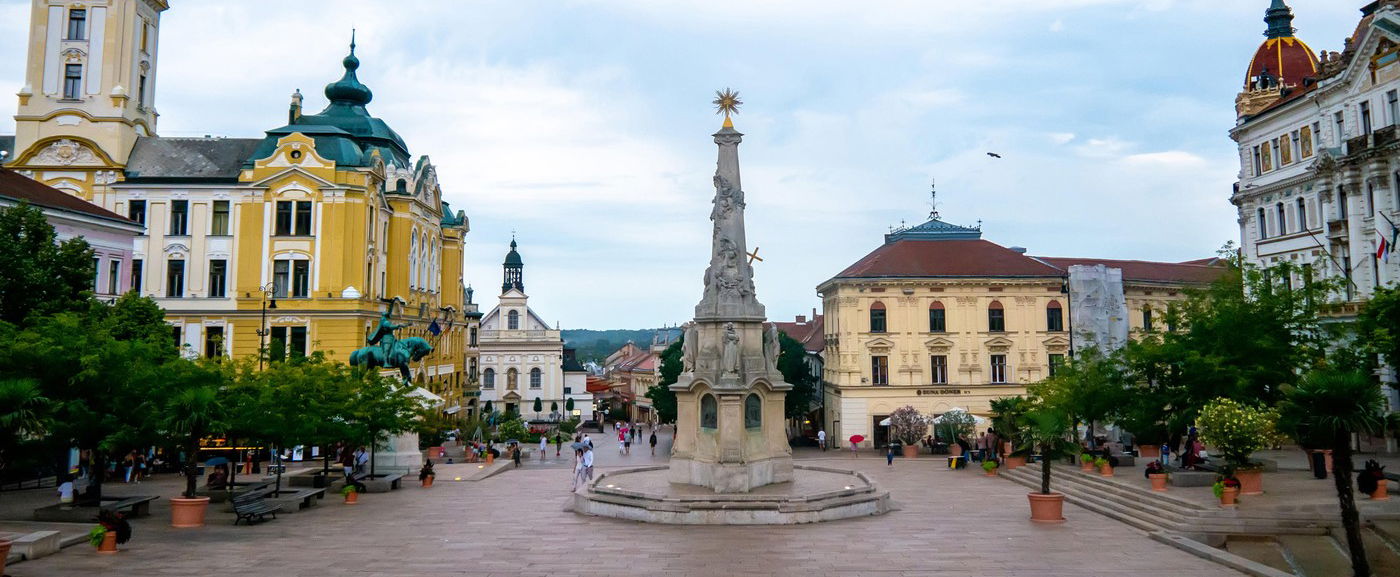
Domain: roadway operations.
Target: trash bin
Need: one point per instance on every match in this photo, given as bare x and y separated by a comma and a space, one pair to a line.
1318, 461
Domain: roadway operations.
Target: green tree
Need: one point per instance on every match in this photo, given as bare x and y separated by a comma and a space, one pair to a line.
42, 276
1088, 389
538, 407
378, 408
194, 393
24, 415
1009, 418
663, 399
1333, 405
1046, 430
1379, 324
792, 362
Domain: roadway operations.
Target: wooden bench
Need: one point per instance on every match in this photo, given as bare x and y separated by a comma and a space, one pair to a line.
253, 504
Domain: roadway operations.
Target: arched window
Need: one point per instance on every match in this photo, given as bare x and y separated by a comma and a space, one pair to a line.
413, 259
709, 412
1147, 316
535, 378
1303, 211
488, 379
401, 186
937, 318
513, 320
996, 317
1263, 231
877, 317
1054, 317
753, 412
1282, 219
512, 379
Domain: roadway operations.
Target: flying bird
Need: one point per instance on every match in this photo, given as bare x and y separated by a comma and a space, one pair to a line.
993, 155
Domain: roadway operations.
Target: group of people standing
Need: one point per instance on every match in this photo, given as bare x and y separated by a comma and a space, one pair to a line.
583, 461
627, 434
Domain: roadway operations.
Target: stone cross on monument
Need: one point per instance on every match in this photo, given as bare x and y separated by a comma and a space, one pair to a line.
730, 433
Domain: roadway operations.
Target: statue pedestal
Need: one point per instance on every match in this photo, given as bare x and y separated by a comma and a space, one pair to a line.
399, 453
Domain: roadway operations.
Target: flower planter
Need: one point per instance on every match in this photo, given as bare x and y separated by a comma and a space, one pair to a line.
1012, 462
4, 552
1047, 508
992, 472
911, 451
186, 513
1251, 481
1227, 498
1086, 465
1150, 451
428, 482
109, 543
1382, 492
1106, 471
352, 498
1159, 481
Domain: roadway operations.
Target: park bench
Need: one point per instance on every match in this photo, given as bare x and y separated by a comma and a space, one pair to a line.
294, 500
253, 504
138, 506
132, 506
380, 483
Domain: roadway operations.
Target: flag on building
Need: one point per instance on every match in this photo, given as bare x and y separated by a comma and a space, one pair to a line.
434, 328
1386, 245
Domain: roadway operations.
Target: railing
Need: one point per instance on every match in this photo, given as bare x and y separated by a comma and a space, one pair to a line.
508, 335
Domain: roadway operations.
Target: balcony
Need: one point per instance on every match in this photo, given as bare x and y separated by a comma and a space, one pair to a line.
1337, 229
1376, 139
518, 336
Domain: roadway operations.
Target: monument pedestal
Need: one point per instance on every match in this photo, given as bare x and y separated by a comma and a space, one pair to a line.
399, 455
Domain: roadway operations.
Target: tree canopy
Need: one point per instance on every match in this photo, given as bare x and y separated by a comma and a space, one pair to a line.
42, 276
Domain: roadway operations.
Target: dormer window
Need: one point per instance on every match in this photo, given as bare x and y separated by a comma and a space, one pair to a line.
77, 24
513, 320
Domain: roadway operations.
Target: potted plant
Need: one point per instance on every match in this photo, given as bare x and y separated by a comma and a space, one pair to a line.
1046, 430
1227, 489
352, 495
193, 411
1086, 462
1371, 481
953, 426
1008, 418
111, 529
1237, 430
426, 474
990, 467
1156, 474
1104, 466
908, 426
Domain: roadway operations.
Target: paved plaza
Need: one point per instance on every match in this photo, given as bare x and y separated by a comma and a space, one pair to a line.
955, 523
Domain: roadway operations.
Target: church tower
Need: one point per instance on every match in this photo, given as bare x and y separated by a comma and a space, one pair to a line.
89, 91
1282, 64
515, 271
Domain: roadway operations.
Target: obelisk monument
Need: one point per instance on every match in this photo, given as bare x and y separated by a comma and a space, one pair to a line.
730, 433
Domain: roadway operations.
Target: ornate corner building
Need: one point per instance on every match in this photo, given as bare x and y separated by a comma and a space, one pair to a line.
329, 217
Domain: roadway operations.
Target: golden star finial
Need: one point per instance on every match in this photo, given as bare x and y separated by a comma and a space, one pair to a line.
727, 102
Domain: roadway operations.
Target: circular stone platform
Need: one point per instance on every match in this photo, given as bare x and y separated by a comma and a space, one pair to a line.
816, 494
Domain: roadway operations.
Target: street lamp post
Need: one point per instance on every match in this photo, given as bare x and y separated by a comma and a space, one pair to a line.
268, 292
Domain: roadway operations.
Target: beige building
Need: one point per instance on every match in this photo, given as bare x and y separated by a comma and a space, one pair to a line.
939, 318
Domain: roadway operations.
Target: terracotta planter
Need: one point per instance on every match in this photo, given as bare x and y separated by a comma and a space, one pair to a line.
1047, 508
1012, 462
993, 472
1159, 481
4, 552
1227, 499
1006, 447
352, 498
911, 451
109, 543
1150, 451
186, 513
1106, 471
1251, 481
1086, 465
1382, 491
428, 482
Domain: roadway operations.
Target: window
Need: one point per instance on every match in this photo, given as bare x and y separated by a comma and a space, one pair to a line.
297, 343
998, 368
1147, 318
1258, 162
939, 364
301, 278
177, 334
96, 274
1277, 153
114, 275
141, 92
1263, 225
218, 224
1054, 317
1302, 213
293, 218
1365, 110
1392, 106
1172, 315
877, 317
513, 320
77, 24
996, 318
1282, 219
937, 318
179, 217
472, 340
535, 378
709, 412
1370, 198
218, 278
880, 370
512, 379
175, 278
72, 81
488, 379
471, 370
136, 211
213, 342
1056, 361
1341, 203
136, 269
281, 278
753, 411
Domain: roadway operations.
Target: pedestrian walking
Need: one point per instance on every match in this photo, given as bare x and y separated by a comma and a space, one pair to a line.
558, 443
889, 455
544, 445
579, 471
587, 465
652, 441
821, 439
621, 441
515, 454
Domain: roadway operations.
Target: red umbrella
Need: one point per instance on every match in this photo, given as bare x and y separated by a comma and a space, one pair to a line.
856, 439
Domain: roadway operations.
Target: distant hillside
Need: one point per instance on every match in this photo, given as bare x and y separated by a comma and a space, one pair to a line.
597, 345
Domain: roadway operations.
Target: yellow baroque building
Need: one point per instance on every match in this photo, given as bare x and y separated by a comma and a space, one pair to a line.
295, 241
938, 318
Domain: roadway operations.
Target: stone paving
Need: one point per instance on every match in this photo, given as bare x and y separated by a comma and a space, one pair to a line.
955, 523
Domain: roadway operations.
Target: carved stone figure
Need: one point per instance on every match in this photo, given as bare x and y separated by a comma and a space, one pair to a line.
729, 360
772, 347
690, 344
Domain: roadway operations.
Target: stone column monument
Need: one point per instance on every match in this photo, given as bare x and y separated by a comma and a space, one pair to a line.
730, 433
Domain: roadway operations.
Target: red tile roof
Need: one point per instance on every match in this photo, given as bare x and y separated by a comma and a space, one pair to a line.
1287, 59
946, 258
1145, 271
597, 385
810, 333
19, 187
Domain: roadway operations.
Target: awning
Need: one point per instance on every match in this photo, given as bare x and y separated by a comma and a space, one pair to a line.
452, 410
428, 397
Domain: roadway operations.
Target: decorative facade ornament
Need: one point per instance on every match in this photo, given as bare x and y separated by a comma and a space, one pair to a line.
66, 152
73, 55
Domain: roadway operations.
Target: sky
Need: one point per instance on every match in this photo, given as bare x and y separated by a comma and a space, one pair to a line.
584, 126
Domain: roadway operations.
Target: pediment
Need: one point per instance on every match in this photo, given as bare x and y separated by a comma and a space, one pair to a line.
939, 344
1055, 344
999, 343
1385, 27
879, 343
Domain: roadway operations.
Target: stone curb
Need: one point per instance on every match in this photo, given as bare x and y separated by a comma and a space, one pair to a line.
1217, 555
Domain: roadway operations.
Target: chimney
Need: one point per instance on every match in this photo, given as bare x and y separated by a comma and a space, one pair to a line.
814, 314
801, 319
1018, 249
